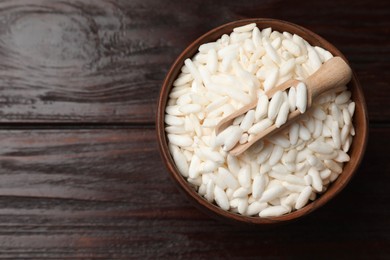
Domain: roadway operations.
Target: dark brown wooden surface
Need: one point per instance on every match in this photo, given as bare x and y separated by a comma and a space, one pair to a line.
81, 176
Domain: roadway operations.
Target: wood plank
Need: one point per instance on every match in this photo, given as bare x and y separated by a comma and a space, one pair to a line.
105, 194
104, 61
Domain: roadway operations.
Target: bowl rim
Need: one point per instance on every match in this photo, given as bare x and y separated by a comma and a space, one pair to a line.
185, 187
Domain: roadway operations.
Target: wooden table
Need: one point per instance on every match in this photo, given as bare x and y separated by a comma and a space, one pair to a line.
80, 171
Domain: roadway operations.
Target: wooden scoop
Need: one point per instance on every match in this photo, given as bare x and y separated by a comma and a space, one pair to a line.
332, 74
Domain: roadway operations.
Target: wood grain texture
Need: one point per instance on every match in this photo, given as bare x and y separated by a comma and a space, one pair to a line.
104, 61
101, 194
68, 191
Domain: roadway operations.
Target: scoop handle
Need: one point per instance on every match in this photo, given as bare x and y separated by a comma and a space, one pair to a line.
332, 74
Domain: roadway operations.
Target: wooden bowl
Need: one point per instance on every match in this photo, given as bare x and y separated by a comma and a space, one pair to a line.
356, 151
